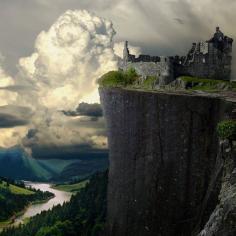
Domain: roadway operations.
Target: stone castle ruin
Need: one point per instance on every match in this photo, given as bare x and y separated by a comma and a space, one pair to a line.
209, 59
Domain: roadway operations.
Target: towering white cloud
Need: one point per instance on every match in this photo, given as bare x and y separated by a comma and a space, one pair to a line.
69, 57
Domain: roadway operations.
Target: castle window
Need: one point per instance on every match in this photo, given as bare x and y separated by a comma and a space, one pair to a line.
203, 60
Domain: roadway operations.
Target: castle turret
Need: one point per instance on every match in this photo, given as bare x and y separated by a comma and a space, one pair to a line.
126, 54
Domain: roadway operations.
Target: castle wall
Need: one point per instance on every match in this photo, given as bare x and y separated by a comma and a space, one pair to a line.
163, 70
214, 64
146, 68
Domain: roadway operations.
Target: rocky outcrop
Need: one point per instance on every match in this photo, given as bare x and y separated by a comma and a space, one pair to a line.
222, 221
165, 172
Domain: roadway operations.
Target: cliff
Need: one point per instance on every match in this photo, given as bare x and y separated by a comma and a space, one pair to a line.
165, 168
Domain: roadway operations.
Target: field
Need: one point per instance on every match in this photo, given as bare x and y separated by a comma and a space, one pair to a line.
15, 189
71, 187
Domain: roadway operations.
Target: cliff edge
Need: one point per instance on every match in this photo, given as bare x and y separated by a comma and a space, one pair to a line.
166, 170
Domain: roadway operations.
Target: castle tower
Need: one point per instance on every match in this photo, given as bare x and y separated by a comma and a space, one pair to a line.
220, 55
166, 71
126, 54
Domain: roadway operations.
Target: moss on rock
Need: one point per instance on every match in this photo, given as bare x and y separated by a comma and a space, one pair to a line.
227, 129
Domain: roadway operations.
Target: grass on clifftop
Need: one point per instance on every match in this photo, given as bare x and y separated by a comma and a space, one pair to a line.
149, 82
205, 84
227, 129
118, 78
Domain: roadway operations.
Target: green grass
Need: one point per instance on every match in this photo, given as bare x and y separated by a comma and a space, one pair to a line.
15, 189
71, 187
205, 84
149, 82
118, 78
4, 224
227, 129
26, 220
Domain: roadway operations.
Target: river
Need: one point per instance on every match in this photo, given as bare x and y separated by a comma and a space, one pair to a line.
32, 210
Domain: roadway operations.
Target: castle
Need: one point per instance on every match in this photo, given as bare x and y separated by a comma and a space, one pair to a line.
209, 59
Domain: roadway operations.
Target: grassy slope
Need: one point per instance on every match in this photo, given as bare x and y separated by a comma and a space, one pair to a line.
205, 84
71, 187
15, 189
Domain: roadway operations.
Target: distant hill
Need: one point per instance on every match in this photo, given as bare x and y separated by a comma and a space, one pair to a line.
16, 164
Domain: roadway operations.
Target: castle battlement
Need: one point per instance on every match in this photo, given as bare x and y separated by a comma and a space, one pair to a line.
209, 59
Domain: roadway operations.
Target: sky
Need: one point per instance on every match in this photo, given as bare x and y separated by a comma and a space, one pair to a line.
53, 51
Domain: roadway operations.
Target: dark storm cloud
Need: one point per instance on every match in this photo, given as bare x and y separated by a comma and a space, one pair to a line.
9, 121
86, 109
81, 151
180, 21
93, 110
31, 133
16, 111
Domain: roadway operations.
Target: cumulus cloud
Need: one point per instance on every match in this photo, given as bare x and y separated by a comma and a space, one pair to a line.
61, 72
69, 57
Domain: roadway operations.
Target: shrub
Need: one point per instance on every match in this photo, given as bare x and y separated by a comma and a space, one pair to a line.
227, 129
118, 78
130, 76
112, 78
150, 82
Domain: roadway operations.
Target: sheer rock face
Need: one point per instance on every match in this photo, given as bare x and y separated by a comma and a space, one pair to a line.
164, 176
222, 221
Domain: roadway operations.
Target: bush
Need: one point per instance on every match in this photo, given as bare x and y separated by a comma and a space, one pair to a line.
227, 129
118, 78
150, 82
130, 76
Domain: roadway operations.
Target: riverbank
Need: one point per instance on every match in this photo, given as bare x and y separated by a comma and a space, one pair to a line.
37, 206
11, 221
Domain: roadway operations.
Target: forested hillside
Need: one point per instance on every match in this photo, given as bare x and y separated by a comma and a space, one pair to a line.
14, 197
83, 215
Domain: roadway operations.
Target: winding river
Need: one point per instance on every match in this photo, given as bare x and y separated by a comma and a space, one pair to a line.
32, 210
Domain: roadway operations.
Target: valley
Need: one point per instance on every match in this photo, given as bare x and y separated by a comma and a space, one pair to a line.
16, 164
68, 214
16, 198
